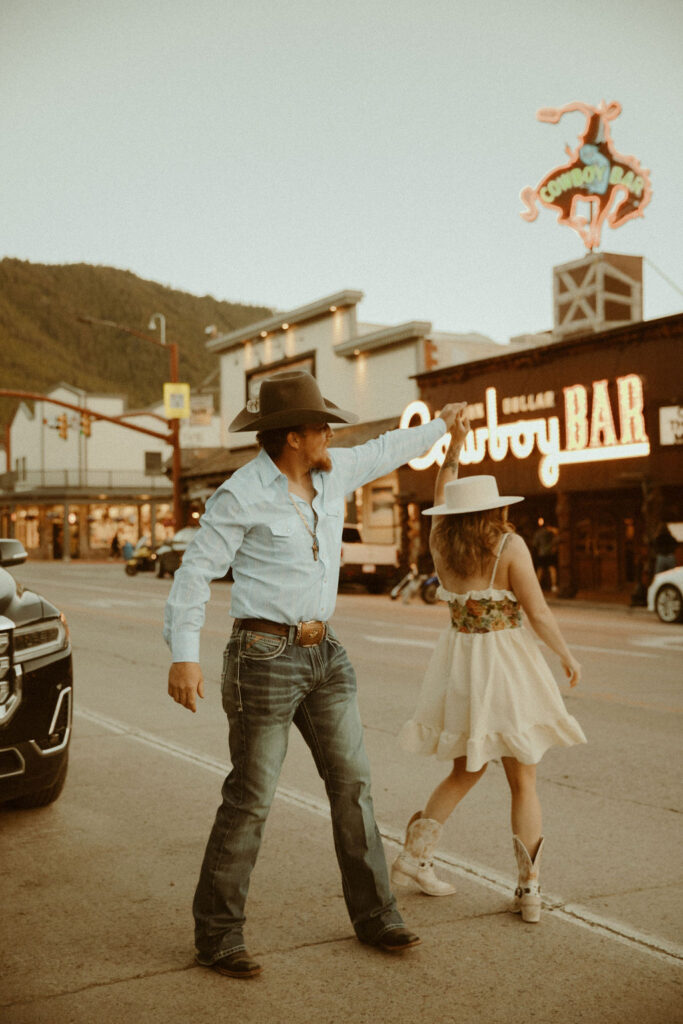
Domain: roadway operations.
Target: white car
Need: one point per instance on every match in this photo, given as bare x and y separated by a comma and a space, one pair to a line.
665, 595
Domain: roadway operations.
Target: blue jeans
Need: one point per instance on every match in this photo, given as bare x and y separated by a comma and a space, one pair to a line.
267, 684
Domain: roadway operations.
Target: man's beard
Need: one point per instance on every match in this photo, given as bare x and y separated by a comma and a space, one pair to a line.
323, 464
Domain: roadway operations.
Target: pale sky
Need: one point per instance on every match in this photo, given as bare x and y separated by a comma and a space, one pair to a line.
276, 152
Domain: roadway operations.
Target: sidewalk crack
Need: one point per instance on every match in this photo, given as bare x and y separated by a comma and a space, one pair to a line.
142, 976
620, 799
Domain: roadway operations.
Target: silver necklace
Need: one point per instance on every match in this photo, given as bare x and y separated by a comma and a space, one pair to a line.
313, 532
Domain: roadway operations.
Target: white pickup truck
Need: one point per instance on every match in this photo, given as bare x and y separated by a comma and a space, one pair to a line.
374, 565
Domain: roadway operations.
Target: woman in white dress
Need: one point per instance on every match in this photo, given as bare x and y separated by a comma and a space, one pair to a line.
487, 692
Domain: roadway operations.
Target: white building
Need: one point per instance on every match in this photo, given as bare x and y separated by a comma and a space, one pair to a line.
89, 476
367, 368
112, 480
360, 366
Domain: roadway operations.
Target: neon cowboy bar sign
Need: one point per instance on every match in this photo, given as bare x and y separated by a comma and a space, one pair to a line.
597, 185
589, 427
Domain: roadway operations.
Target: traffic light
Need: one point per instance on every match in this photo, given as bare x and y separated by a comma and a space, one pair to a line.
86, 419
63, 425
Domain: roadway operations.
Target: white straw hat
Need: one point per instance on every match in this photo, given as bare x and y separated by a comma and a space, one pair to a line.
471, 494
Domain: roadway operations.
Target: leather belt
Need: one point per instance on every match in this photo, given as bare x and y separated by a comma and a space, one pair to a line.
305, 634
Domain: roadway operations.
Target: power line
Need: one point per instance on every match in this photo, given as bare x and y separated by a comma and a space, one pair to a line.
664, 276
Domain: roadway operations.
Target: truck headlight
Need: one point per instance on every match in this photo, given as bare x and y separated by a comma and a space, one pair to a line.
40, 638
5, 681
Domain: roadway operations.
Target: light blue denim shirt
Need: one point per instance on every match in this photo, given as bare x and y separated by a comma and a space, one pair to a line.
251, 524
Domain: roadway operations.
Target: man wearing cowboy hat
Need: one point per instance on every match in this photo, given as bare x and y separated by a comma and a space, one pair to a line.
278, 522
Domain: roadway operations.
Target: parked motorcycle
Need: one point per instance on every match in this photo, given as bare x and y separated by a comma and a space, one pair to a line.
414, 582
143, 559
429, 589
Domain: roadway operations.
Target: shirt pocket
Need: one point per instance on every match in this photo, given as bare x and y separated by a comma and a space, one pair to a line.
332, 525
333, 507
281, 528
277, 538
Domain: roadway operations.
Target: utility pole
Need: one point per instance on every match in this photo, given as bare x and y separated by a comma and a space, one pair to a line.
174, 427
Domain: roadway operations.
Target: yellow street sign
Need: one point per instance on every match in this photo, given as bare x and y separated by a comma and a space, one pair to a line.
176, 401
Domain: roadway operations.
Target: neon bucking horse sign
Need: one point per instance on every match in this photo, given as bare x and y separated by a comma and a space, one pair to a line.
616, 187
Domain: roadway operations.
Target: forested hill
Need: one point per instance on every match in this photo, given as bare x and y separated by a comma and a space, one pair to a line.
42, 343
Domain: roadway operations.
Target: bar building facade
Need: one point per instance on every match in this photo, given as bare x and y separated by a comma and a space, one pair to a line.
590, 430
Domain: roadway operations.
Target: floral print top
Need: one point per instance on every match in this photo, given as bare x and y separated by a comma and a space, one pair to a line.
483, 611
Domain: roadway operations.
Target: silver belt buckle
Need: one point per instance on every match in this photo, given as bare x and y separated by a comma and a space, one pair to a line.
310, 633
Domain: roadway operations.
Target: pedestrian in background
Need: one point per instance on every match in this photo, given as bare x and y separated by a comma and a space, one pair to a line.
278, 522
665, 545
544, 547
487, 692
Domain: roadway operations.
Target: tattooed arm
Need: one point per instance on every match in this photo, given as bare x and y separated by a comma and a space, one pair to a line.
449, 471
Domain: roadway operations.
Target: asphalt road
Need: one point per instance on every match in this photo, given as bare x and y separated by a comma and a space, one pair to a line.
96, 889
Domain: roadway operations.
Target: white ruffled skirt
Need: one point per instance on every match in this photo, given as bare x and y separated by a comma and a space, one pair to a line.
489, 695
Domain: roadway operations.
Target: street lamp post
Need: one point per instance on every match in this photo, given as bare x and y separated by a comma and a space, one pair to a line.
174, 437
152, 326
174, 424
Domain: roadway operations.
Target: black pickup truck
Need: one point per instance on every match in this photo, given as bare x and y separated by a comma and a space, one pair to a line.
35, 691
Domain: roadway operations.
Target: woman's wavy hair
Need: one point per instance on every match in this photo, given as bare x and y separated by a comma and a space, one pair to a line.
467, 541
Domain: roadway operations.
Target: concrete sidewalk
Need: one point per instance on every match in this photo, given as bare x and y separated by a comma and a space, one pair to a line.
96, 897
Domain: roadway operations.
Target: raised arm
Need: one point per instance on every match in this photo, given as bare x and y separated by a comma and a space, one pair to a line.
458, 430
358, 465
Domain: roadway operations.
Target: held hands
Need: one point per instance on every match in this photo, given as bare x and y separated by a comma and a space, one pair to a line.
449, 413
185, 683
460, 428
455, 418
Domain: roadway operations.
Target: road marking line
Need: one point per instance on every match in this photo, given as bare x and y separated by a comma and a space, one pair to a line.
577, 647
98, 587
343, 623
398, 641
571, 913
616, 698
668, 643
612, 650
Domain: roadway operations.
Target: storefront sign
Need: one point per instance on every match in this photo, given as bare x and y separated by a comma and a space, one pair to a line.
590, 430
176, 401
529, 403
201, 410
615, 187
671, 424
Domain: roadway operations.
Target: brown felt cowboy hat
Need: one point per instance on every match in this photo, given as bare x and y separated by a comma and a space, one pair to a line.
289, 399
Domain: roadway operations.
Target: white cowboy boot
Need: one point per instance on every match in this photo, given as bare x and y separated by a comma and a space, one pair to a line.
527, 901
414, 863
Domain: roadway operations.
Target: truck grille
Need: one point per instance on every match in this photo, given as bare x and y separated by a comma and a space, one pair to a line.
11, 763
